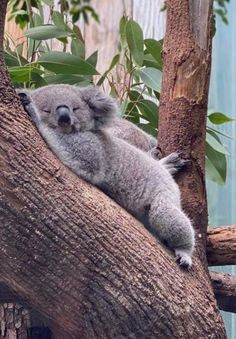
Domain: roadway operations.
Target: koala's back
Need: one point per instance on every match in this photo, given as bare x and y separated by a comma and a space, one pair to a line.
132, 178
125, 130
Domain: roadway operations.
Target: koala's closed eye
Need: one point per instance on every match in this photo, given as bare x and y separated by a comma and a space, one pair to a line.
46, 110
76, 108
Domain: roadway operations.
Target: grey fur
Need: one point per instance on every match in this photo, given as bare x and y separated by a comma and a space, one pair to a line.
140, 184
124, 129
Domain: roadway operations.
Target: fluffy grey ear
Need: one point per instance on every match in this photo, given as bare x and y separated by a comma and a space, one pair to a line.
103, 106
24, 96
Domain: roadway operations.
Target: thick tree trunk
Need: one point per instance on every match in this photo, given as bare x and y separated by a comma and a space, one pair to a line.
183, 106
76, 256
221, 246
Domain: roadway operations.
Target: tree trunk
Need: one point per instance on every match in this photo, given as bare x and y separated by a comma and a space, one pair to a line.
78, 257
183, 105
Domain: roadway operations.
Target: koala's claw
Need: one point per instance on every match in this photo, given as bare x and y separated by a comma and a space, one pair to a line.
183, 259
173, 163
23, 98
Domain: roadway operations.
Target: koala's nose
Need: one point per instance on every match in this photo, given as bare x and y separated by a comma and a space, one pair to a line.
63, 113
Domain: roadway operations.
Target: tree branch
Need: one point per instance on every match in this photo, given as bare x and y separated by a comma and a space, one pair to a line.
79, 258
221, 246
224, 286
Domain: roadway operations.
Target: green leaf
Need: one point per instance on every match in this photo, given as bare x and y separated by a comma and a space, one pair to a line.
68, 79
154, 47
123, 23
218, 118
65, 63
77, 48
10, 60
134, 37
23, 73
135, 95
58, 20
149, 61
210, 129
215, 144
37, 20
148, 128
151, 77
114, 61
149, 110
132, 113
92, 59
123, 107
46, 32
37, 80
48, 2
216, 165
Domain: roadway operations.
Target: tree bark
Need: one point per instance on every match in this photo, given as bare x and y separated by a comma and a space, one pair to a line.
79, 258
225, 290
221, 246
183, 104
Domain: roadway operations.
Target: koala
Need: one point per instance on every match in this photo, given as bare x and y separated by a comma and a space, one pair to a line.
126, 130
74, 122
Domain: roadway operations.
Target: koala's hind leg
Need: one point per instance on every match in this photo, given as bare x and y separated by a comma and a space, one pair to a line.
173, 163
174, 228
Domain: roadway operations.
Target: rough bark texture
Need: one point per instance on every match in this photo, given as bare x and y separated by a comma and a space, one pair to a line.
183, 105
225, 290
221, 246
76, 256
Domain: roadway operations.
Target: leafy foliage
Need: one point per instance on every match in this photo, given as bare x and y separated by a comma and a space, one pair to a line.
21, 10
134, 74
220, 8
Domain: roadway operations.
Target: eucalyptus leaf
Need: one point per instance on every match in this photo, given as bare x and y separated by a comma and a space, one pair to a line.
148, 128
210, 129
212, 173
48, 2
135, 95
149, 61
23, 73
114, 62
58, 20
46, 32
65, 63
154, 47
134, 37
68, 79
151, 77
218, 161
218, 118
77, 48
123, 23
215, 144
149, 110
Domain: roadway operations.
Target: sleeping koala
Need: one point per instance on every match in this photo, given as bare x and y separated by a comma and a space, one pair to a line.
74, 122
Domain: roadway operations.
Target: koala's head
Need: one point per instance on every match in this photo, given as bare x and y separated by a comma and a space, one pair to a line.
70, 108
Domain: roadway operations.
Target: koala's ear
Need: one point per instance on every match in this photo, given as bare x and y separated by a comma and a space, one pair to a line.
103, 106
24, 96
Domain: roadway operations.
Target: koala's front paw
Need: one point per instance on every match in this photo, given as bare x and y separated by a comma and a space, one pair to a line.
183, 258
24, 98
173, 163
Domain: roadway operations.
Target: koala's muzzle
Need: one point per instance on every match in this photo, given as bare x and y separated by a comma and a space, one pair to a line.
63, 113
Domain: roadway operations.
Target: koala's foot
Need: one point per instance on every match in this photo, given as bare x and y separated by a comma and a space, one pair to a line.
183, 258
173, 163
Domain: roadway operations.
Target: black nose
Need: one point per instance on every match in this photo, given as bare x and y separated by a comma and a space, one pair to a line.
63, 113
